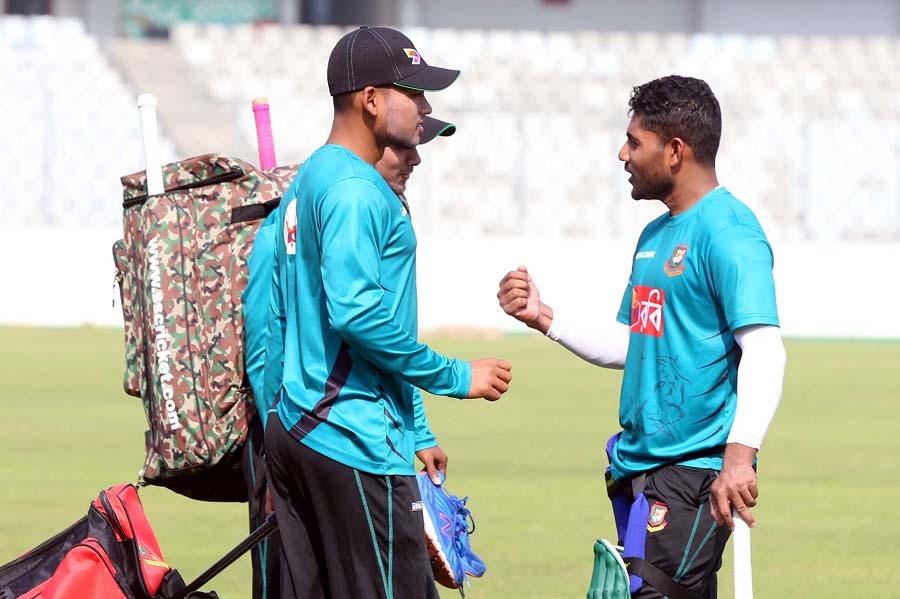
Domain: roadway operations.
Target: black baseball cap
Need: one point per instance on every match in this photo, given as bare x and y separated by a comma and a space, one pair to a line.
382, 56
432, 127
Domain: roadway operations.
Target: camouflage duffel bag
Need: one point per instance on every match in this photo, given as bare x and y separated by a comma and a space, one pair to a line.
181, 269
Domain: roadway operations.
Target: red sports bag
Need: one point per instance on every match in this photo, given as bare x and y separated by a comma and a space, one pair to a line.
111, 553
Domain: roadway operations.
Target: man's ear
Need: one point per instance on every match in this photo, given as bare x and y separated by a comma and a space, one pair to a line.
371, 100
676, 152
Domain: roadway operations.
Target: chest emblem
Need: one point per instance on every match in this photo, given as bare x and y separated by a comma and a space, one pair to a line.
674, 266
290, 228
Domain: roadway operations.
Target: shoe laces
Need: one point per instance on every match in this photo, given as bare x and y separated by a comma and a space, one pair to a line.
463, 526
463, 521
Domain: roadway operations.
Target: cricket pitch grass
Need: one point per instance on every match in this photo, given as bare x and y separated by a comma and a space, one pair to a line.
531, 465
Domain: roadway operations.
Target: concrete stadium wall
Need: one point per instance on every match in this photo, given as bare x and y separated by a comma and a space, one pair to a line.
64, 277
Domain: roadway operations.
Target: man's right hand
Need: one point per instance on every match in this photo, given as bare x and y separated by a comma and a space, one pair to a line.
519, 297
490, 378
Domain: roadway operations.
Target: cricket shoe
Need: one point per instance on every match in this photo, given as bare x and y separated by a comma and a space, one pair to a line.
447, 530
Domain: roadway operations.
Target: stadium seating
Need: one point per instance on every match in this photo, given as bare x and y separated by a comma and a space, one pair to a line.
811, 135
70, 126
811, 130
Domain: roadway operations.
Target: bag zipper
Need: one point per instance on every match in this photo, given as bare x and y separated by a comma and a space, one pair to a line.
234, 173
117, 284
111, 516
113, 519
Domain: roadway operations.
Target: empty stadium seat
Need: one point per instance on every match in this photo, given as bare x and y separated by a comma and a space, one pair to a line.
74, 135
541, 117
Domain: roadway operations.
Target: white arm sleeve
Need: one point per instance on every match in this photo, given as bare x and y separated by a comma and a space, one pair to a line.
603, 344
759, 381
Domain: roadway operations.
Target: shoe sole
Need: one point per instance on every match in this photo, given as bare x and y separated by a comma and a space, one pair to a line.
439, 563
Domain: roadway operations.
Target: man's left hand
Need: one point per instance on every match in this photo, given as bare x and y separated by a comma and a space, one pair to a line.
434, 460
735, 488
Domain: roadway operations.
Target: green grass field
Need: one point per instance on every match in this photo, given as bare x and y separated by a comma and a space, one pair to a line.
532, 465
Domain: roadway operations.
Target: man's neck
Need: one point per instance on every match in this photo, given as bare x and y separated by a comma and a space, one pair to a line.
357, 138
689, 192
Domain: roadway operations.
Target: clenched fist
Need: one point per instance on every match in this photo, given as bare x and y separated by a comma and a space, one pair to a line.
490, 378
519, 297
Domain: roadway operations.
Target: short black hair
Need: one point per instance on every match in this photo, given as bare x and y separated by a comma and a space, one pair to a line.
684, 107
342, 101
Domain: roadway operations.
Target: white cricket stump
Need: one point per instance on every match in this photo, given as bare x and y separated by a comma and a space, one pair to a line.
743, 568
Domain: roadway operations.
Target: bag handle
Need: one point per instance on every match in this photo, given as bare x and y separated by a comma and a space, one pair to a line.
243, 214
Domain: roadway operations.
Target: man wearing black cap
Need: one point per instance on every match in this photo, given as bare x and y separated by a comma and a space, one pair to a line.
263, 361
347, 422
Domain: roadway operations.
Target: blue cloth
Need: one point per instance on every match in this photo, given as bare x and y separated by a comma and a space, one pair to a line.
347, 286
634, 543
696, 278
630, 514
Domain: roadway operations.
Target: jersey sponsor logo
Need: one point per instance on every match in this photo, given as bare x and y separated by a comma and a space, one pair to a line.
674, 266
645, 254
161, 337
290, 228
657, 520
413, 55
647, 310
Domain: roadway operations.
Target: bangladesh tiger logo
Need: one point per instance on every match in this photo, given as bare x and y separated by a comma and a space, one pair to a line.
674, 266
657, 520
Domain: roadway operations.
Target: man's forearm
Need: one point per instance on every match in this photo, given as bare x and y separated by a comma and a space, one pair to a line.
738, 455
604, 344
760, 379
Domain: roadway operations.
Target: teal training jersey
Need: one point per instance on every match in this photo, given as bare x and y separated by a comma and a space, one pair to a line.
264, 322
346, 274
257, 303
696, 278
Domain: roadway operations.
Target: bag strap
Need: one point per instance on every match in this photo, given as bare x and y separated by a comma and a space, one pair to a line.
264, 530
656, 578
243, 214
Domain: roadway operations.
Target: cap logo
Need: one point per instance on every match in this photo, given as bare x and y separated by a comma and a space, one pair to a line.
413, 55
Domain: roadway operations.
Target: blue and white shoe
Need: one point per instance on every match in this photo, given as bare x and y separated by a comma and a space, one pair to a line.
447, 531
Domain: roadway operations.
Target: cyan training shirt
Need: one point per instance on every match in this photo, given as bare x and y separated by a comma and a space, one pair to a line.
257, 302
346, 275
696, 278
264, 325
